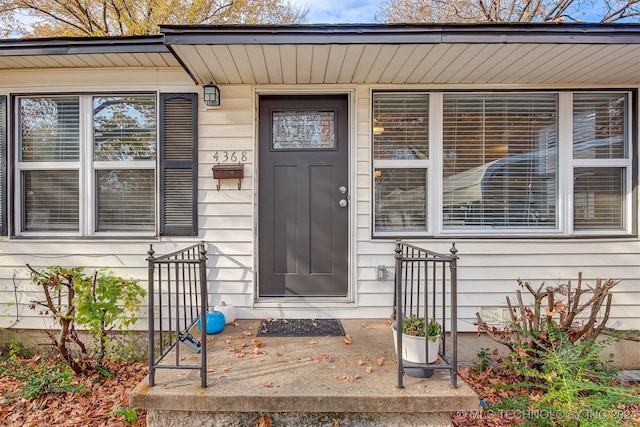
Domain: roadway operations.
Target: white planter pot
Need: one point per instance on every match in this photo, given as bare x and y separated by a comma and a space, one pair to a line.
413, 348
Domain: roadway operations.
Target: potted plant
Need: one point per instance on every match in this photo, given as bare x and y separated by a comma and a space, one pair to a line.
415, 330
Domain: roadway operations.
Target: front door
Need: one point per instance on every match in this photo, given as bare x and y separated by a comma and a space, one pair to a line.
303, 196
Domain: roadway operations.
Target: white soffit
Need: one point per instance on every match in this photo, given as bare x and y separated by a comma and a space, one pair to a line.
527, 64
97, 60
474, 55
19, 54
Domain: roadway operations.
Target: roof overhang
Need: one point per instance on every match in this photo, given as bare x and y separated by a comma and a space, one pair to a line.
478, 54
48, 53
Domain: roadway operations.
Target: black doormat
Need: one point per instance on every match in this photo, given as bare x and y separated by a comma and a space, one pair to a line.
300, 328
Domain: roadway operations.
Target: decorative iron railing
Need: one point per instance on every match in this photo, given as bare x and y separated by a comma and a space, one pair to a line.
425, 286
177, 300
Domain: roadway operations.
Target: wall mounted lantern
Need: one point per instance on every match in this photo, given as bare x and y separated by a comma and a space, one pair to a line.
211, 95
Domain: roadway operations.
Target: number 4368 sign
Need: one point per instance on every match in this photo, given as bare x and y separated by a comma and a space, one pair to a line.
230, 156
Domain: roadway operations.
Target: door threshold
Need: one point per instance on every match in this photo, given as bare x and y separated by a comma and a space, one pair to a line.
302, 303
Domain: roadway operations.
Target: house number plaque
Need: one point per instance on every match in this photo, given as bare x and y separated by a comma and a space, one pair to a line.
230, 156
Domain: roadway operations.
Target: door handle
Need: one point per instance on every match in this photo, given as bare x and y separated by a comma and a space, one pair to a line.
343, 203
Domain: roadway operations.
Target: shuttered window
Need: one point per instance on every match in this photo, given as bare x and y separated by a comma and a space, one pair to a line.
87, 165
178, 165
3, 165
500, 156
547, 163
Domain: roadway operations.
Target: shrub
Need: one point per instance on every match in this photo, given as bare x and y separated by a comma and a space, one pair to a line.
46, 377
576, 387
98, 303
580, 312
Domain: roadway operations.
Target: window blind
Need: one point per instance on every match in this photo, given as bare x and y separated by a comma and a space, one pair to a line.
598, 198
51, 200
499, 160
599, 135
49, 129
401, 125
400, 199
599, 125
125, 200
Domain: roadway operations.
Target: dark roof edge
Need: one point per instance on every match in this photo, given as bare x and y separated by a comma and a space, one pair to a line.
576, 33
86, 45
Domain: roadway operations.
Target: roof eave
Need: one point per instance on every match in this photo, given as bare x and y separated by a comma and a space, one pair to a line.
402, 34
75, 46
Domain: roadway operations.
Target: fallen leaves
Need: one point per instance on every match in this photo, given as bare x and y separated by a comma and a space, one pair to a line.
78, 409
347, 378
262, 422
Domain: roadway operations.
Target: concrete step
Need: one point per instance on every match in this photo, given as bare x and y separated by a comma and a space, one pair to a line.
307, 378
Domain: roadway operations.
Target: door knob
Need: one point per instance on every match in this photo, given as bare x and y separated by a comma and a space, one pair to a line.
343, 203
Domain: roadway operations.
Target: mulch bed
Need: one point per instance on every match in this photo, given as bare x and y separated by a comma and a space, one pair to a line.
488, 384
76, 409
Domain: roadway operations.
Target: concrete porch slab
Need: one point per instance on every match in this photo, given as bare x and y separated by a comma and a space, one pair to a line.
321, 375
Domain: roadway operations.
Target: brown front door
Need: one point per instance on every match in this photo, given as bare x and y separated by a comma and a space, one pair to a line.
303, 196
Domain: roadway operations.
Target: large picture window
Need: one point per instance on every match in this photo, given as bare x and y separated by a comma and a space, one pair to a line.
508, 163
499, 157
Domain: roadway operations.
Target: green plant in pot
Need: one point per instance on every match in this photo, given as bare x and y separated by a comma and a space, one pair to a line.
415, 330
418, 327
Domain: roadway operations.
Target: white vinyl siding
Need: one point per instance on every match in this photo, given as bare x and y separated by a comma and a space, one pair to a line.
487, 270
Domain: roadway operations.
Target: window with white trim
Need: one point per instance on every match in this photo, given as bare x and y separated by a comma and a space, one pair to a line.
507, 163
86, 165
401, 160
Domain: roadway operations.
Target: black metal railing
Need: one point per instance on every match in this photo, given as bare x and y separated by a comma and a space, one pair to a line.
425, 286
177, 299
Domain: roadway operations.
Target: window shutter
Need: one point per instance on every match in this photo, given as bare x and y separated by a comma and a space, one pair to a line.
178, 164
3, 165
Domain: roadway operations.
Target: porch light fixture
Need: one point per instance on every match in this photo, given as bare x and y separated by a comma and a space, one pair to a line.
211, 95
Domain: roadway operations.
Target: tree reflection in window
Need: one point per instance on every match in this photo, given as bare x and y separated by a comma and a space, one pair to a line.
124, 128
49, 129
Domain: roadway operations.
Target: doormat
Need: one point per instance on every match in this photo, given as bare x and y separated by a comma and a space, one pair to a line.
300, 328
